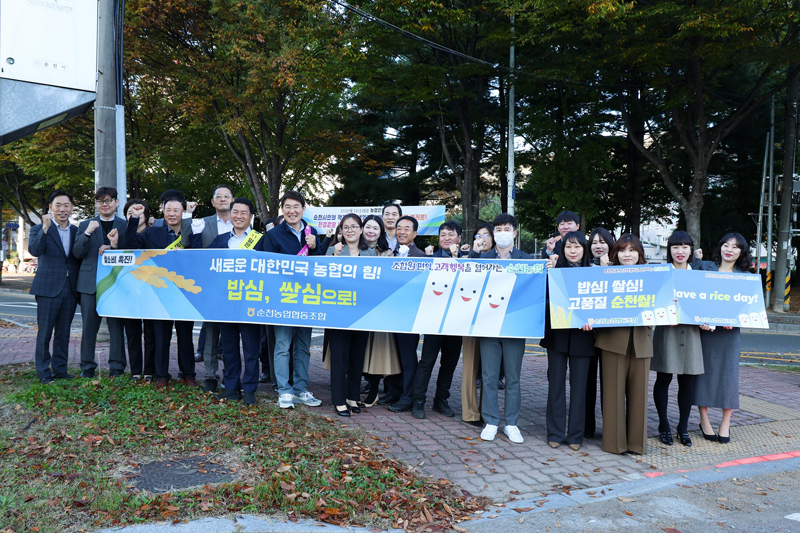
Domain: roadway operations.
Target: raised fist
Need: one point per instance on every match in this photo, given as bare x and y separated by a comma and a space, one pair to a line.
93, 225
191, 206
454, 250
429, 250
113, 237
337, 249
136, 211
311, 241
46, 221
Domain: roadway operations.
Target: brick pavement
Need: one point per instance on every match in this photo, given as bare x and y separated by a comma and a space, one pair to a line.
769, 422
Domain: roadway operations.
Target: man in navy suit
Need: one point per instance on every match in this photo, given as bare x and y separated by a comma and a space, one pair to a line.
167, 236
91, 241
54, 286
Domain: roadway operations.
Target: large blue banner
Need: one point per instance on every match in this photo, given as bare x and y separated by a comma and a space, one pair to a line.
640, 295
720, 298
481, 298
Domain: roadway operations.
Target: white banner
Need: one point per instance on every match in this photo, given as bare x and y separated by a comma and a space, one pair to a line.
430, 217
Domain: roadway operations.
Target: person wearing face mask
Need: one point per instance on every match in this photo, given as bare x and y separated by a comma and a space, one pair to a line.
92, 240
567, 347
566, 221
626, 368
507, 352
54, 286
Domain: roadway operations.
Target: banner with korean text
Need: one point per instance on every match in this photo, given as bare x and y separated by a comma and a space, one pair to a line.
430, 217
640, 295
720, 298
480, 298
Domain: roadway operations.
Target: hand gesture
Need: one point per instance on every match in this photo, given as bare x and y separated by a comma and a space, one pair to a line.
103, 249
46, 221
478, 246
604, 260
551, 243
329, 232
551, 261
465, 249
191, 206
454, 250
136, 211
402, 250
93, 225
311, 241
429, 250
698, 253
337, 249
113, 237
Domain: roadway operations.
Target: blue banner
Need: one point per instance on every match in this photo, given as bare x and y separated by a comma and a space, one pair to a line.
720, 298
640, 295
429, 217
480, 298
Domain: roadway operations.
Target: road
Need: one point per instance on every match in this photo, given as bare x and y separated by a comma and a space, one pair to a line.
760, 348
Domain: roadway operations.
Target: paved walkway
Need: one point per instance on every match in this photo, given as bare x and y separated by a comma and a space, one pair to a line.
766, 426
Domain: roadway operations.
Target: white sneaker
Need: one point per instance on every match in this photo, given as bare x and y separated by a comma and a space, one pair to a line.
489, 432
307, 398
285, 401
513, 434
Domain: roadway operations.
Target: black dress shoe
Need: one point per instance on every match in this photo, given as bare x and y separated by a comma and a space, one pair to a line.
400, 407
345, 412
229, 395
86, 374
724, 440
418, 409
387, 400
264, 378
355, 409
666, 438
63, 376
47, 381
712, 437
249, 398
442, 407
684, 439
476, 423
210, 386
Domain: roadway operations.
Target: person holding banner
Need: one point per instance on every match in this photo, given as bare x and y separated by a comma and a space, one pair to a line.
677, 350
167, 237
502, 352
293, 237
568, 347
626, 368
718, 386
347, 347
600, 243
381, 357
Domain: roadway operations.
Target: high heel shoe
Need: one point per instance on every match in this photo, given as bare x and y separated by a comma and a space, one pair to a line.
684, 439
712, 437
372, 397
354, 407
666, 438
344, 412
725, 440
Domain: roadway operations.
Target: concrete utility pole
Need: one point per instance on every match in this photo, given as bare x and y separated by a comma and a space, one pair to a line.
784, 237
512, 176
109, 134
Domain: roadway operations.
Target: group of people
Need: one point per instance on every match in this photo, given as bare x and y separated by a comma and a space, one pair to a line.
705, 359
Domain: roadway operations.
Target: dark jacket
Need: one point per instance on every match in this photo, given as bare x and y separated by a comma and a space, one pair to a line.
281, 240
54, 267
515, 254
221, 241
441, 252
86, 249
154, 237
556, 250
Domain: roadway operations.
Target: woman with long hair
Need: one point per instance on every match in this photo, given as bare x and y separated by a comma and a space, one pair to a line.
626, 368
677, 350
718, 386
600, 242
568, 347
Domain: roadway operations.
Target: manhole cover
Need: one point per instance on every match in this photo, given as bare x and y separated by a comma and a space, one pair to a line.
166, 476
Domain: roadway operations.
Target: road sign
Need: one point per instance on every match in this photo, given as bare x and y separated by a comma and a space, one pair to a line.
12, 225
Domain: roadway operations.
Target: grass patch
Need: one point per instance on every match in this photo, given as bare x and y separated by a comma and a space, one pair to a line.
69, 452
790, 369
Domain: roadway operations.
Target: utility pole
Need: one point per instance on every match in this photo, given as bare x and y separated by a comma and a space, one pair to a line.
109, 118
790, 134
771, 196
512, 176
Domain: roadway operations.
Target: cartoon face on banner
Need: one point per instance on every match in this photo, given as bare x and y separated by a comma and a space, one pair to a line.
764, 322
672, 314
466, 296
744, 320
661, 317
435, 297
755, 320
493, 304
648, 318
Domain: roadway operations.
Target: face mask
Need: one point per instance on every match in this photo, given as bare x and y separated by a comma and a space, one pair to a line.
504, 239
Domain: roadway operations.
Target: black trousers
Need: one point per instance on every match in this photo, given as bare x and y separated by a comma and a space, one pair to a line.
250, 335
347, 363
133, 331
558, 428
450, 346
267, 353
590, 424
402, 385
54, 314
163, 337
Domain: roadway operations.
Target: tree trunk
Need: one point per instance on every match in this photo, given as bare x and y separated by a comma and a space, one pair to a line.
634, 169
789, 143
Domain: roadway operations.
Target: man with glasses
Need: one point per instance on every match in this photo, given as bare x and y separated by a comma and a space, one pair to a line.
209, 228
93, 240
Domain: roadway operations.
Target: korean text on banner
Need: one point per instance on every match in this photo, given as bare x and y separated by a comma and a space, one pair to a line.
430, 217
640, 295
720, 299
480, 298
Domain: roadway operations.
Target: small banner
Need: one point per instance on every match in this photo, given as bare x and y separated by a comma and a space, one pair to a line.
720, 298
603, 297
430, 217
479, 298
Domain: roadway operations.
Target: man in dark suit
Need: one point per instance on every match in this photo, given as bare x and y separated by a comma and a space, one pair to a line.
54, 286
401, 386
209, 228
566, 221
91, 241
167, 236
449, 345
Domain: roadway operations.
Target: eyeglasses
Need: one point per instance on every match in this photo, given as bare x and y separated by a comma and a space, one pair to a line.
487, 236
350, 228
105, 202
223, 197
